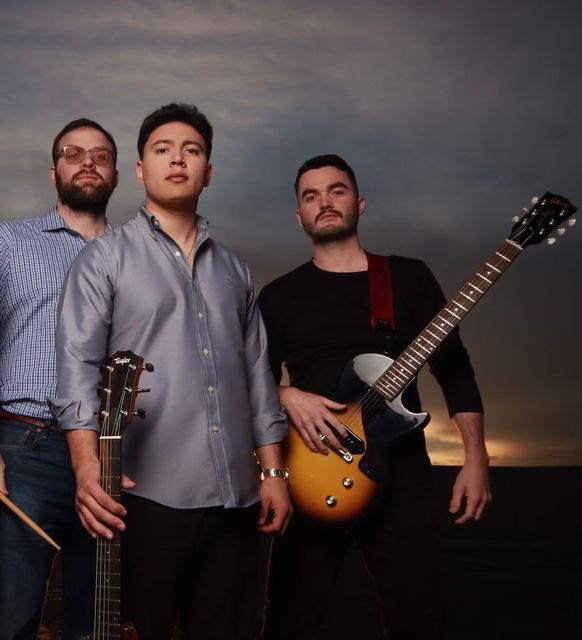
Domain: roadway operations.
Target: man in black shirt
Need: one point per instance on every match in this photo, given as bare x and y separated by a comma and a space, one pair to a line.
318, 319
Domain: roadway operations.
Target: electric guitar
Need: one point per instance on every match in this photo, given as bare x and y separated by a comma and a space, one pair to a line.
120, 377
340, 487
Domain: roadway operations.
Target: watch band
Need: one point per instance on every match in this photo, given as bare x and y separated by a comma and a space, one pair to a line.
276, 472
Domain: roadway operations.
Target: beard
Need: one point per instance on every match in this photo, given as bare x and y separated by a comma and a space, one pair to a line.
333, 233
91, 199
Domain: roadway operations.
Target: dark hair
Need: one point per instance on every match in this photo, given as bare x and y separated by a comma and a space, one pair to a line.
329, 160
176, 112
82, 123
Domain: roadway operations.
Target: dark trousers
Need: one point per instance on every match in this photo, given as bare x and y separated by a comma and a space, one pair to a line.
400, 547
41, 482
200, 565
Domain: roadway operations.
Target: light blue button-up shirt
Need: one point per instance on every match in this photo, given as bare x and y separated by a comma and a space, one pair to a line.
212, 400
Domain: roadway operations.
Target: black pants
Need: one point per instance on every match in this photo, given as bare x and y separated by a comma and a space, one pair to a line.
400, 547
200, 565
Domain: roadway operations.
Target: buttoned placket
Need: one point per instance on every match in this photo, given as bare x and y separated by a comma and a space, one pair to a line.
204, 348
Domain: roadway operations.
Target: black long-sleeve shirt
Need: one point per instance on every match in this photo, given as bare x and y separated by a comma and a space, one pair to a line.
318, 320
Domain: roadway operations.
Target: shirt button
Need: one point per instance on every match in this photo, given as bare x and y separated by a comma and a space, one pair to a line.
177, 254
200, 315
206, 352
210, 389
215, 428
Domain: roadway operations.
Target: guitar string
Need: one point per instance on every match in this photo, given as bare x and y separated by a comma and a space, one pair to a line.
117, 432
106, 543
373, 400
399, 370
104, 556
101, 543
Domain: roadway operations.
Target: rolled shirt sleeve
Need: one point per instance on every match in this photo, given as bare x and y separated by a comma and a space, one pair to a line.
84, 320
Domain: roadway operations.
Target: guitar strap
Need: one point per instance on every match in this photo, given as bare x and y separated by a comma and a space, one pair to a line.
380, 285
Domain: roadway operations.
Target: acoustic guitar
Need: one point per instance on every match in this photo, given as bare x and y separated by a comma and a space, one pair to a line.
340, 487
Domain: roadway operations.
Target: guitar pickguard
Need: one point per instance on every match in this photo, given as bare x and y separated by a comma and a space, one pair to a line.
383, 421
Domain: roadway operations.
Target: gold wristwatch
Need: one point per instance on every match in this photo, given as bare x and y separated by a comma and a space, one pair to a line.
276, 472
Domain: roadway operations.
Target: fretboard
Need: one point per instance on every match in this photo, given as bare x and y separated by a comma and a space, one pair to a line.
393, 381
108, 578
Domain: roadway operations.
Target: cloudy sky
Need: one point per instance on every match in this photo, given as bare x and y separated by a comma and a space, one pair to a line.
453, 115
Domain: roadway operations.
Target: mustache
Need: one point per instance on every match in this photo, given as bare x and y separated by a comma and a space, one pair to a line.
326, 212
84, 172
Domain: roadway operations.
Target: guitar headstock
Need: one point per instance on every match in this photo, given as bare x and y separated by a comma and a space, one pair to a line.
546, 215
118, 391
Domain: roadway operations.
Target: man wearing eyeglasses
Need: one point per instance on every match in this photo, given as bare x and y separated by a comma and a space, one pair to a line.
35, 468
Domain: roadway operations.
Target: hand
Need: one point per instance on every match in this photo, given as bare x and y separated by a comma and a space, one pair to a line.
3, 487
98, 511
276, 509
472, 484
126, 482
312, 415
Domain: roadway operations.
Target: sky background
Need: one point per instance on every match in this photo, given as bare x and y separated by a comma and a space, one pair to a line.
453, 115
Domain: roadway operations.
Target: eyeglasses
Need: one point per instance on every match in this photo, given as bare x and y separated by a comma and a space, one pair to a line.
75, 155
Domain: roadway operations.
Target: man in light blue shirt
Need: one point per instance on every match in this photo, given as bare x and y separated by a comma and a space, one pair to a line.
35, 467
162, 287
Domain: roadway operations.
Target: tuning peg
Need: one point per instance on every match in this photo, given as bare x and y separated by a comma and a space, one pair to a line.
561, 231
148, 366
105, 367
140, 413
143, 390
517, 218
535, 200
101, 391
571, 222
551, 241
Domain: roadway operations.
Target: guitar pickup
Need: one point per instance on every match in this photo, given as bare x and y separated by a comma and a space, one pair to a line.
350, 444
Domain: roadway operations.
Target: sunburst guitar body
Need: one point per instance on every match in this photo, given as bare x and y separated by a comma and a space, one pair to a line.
340, 486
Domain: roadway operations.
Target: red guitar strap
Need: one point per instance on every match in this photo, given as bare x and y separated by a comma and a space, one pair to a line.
380, 284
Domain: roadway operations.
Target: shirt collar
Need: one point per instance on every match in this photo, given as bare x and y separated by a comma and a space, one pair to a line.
153, 224
52, 221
